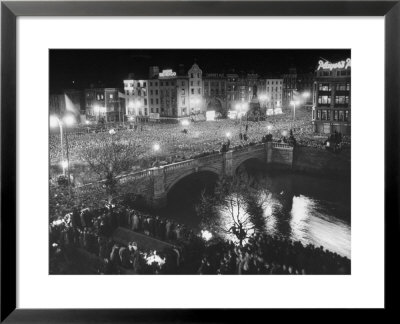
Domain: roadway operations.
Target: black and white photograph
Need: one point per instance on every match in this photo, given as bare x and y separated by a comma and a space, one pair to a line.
199, 162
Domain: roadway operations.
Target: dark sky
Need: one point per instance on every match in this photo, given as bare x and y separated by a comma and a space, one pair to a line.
110, 67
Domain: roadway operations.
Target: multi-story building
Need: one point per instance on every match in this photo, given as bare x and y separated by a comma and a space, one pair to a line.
305, 86
136, 98
196, 104
332, 97
289, 86
274, 95
104, 104
174, 94
215, 92
297, 87
154, 96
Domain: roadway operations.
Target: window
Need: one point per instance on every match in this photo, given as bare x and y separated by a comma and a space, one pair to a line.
328, 115
161, 83
192, 91
182, 92
335, 115
156, 92
152, 110
145, 101
151, 101
157, 110
156, 101
191, 83
198, 91
144, 84
183, 100
198, 83
183, 83
318, 114
341, 100
341, 86
341, 115
324, 100
346, 115
98, 97
111, 96
167, 83
324, 87
198, 75
324, 115
151, 83
151, 92
313, 114
191, 75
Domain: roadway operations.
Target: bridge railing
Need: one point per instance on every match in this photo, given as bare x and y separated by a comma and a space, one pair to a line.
150, 172
281, 145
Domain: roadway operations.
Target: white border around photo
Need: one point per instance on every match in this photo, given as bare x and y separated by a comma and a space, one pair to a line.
363, 288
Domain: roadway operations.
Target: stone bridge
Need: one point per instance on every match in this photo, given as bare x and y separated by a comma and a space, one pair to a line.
155, 183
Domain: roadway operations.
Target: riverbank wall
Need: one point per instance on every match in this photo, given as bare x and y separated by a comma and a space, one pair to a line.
322, 162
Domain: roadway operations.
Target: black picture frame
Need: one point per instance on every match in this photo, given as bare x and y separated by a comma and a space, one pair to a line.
10, 10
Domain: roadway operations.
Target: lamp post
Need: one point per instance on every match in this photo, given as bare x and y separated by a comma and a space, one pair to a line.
68, 120
156, 148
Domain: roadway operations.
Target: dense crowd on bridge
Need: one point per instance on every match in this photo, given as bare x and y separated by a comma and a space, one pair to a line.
179, 142
92, 231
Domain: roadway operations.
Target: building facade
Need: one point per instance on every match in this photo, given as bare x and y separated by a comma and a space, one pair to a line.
104, 104
136, 98
274, 95
332, 98
196, 104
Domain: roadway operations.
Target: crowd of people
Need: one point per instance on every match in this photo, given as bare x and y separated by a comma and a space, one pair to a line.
182, 142
91, 231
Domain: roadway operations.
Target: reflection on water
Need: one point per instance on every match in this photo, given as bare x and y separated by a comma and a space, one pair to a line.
309, 209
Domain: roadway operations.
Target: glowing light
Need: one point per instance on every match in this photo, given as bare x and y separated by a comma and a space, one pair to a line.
331, 66
306, 94
269, 127
112, 131
64, 164
87, 122
156, 147
284, 133
263, 97
228, 134
232, 114
206, 235
185, 122
69, 120
210, 115
155, 258
167, 74
54, 121
57, 222
293, 102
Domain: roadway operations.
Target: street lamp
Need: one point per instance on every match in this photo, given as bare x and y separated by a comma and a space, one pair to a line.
156, 148
228, 135
269, 127
68, 120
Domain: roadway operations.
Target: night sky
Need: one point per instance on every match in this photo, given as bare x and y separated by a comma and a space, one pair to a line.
108, 68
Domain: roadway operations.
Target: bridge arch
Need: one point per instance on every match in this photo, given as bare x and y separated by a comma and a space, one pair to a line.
255, 160
182, 176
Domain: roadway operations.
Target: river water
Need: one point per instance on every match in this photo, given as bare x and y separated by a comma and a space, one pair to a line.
310, 209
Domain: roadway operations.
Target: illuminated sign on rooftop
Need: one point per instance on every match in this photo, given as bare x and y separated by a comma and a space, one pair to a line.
333, 66
167, 74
